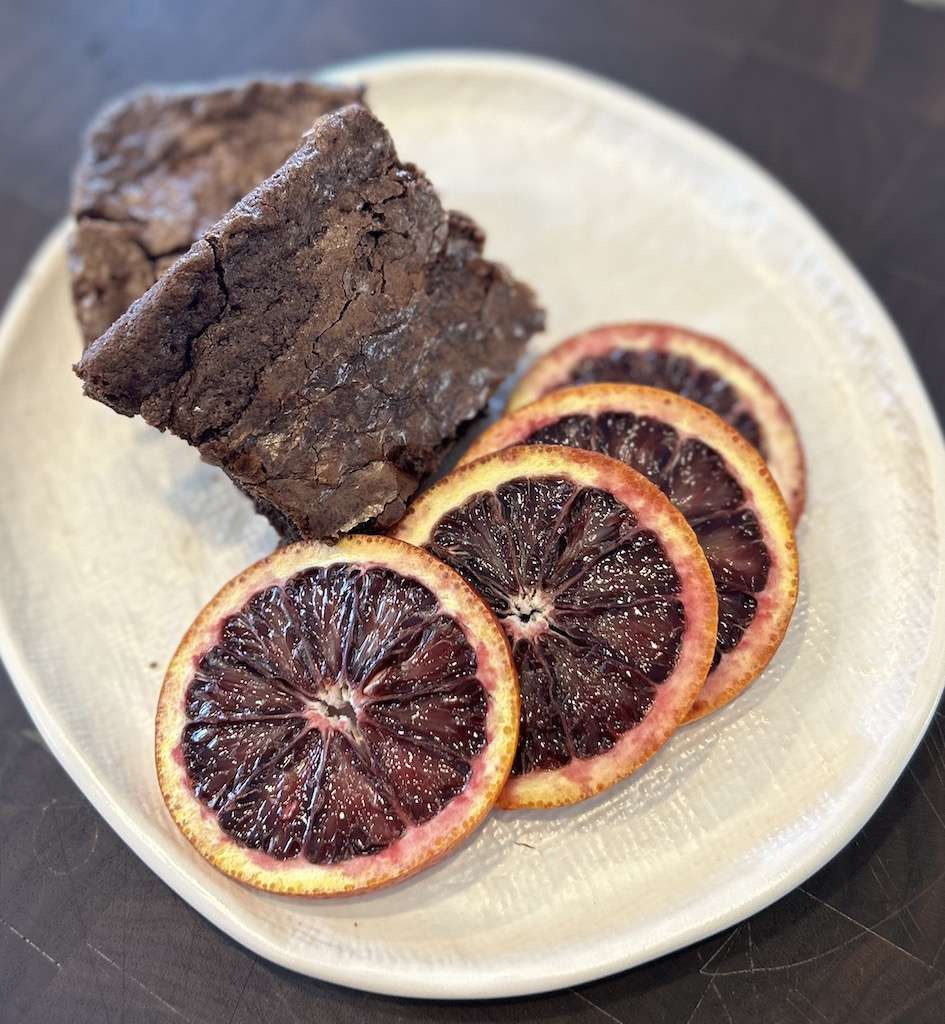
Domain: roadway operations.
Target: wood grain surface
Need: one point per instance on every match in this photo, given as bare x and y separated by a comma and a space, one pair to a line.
843, 100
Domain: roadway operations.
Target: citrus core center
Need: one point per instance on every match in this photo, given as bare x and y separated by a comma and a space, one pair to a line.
336, 703
528, 614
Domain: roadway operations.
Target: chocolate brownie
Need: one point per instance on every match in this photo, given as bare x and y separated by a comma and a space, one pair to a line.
326, 339
160, 167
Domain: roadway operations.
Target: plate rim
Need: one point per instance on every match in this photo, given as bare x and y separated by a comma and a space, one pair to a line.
423, 984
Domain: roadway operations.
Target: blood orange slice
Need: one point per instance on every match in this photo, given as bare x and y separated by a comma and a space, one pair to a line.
336, 718
604, 594
693, 365
715, 478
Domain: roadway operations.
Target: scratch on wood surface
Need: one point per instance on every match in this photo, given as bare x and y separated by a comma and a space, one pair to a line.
285, 1002
903, 1011
864, 928
719, 952
695, 1009
875, 874
111, 963
916, 277
599, 1009
928, 799
805, 1007
707, 971
42, 952
722, 1003
790, 965
887, 190
938, 953
239, 998
935, 742
56, 807
911, 924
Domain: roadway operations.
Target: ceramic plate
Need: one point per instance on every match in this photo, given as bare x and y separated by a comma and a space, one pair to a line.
113, 535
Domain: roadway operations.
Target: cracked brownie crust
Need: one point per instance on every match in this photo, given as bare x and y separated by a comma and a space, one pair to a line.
326, 339
162, 167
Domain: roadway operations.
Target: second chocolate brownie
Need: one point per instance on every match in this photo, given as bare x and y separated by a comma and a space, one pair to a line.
324, 341
162, 166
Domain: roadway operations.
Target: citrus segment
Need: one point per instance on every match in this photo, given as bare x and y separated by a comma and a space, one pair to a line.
715, 478
700, 368
336, 718
604, 594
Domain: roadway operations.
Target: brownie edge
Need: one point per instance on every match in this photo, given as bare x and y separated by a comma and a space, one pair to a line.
324, 341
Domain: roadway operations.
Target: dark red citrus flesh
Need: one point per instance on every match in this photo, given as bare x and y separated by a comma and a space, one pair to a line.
672, 372
697, 481
588, 599
335, 712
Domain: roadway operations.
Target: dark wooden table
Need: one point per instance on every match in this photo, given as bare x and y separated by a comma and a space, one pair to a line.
844, 100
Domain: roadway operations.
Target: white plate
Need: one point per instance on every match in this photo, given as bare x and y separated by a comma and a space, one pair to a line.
113, 536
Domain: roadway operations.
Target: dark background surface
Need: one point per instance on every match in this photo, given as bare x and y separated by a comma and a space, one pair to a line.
844, 100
